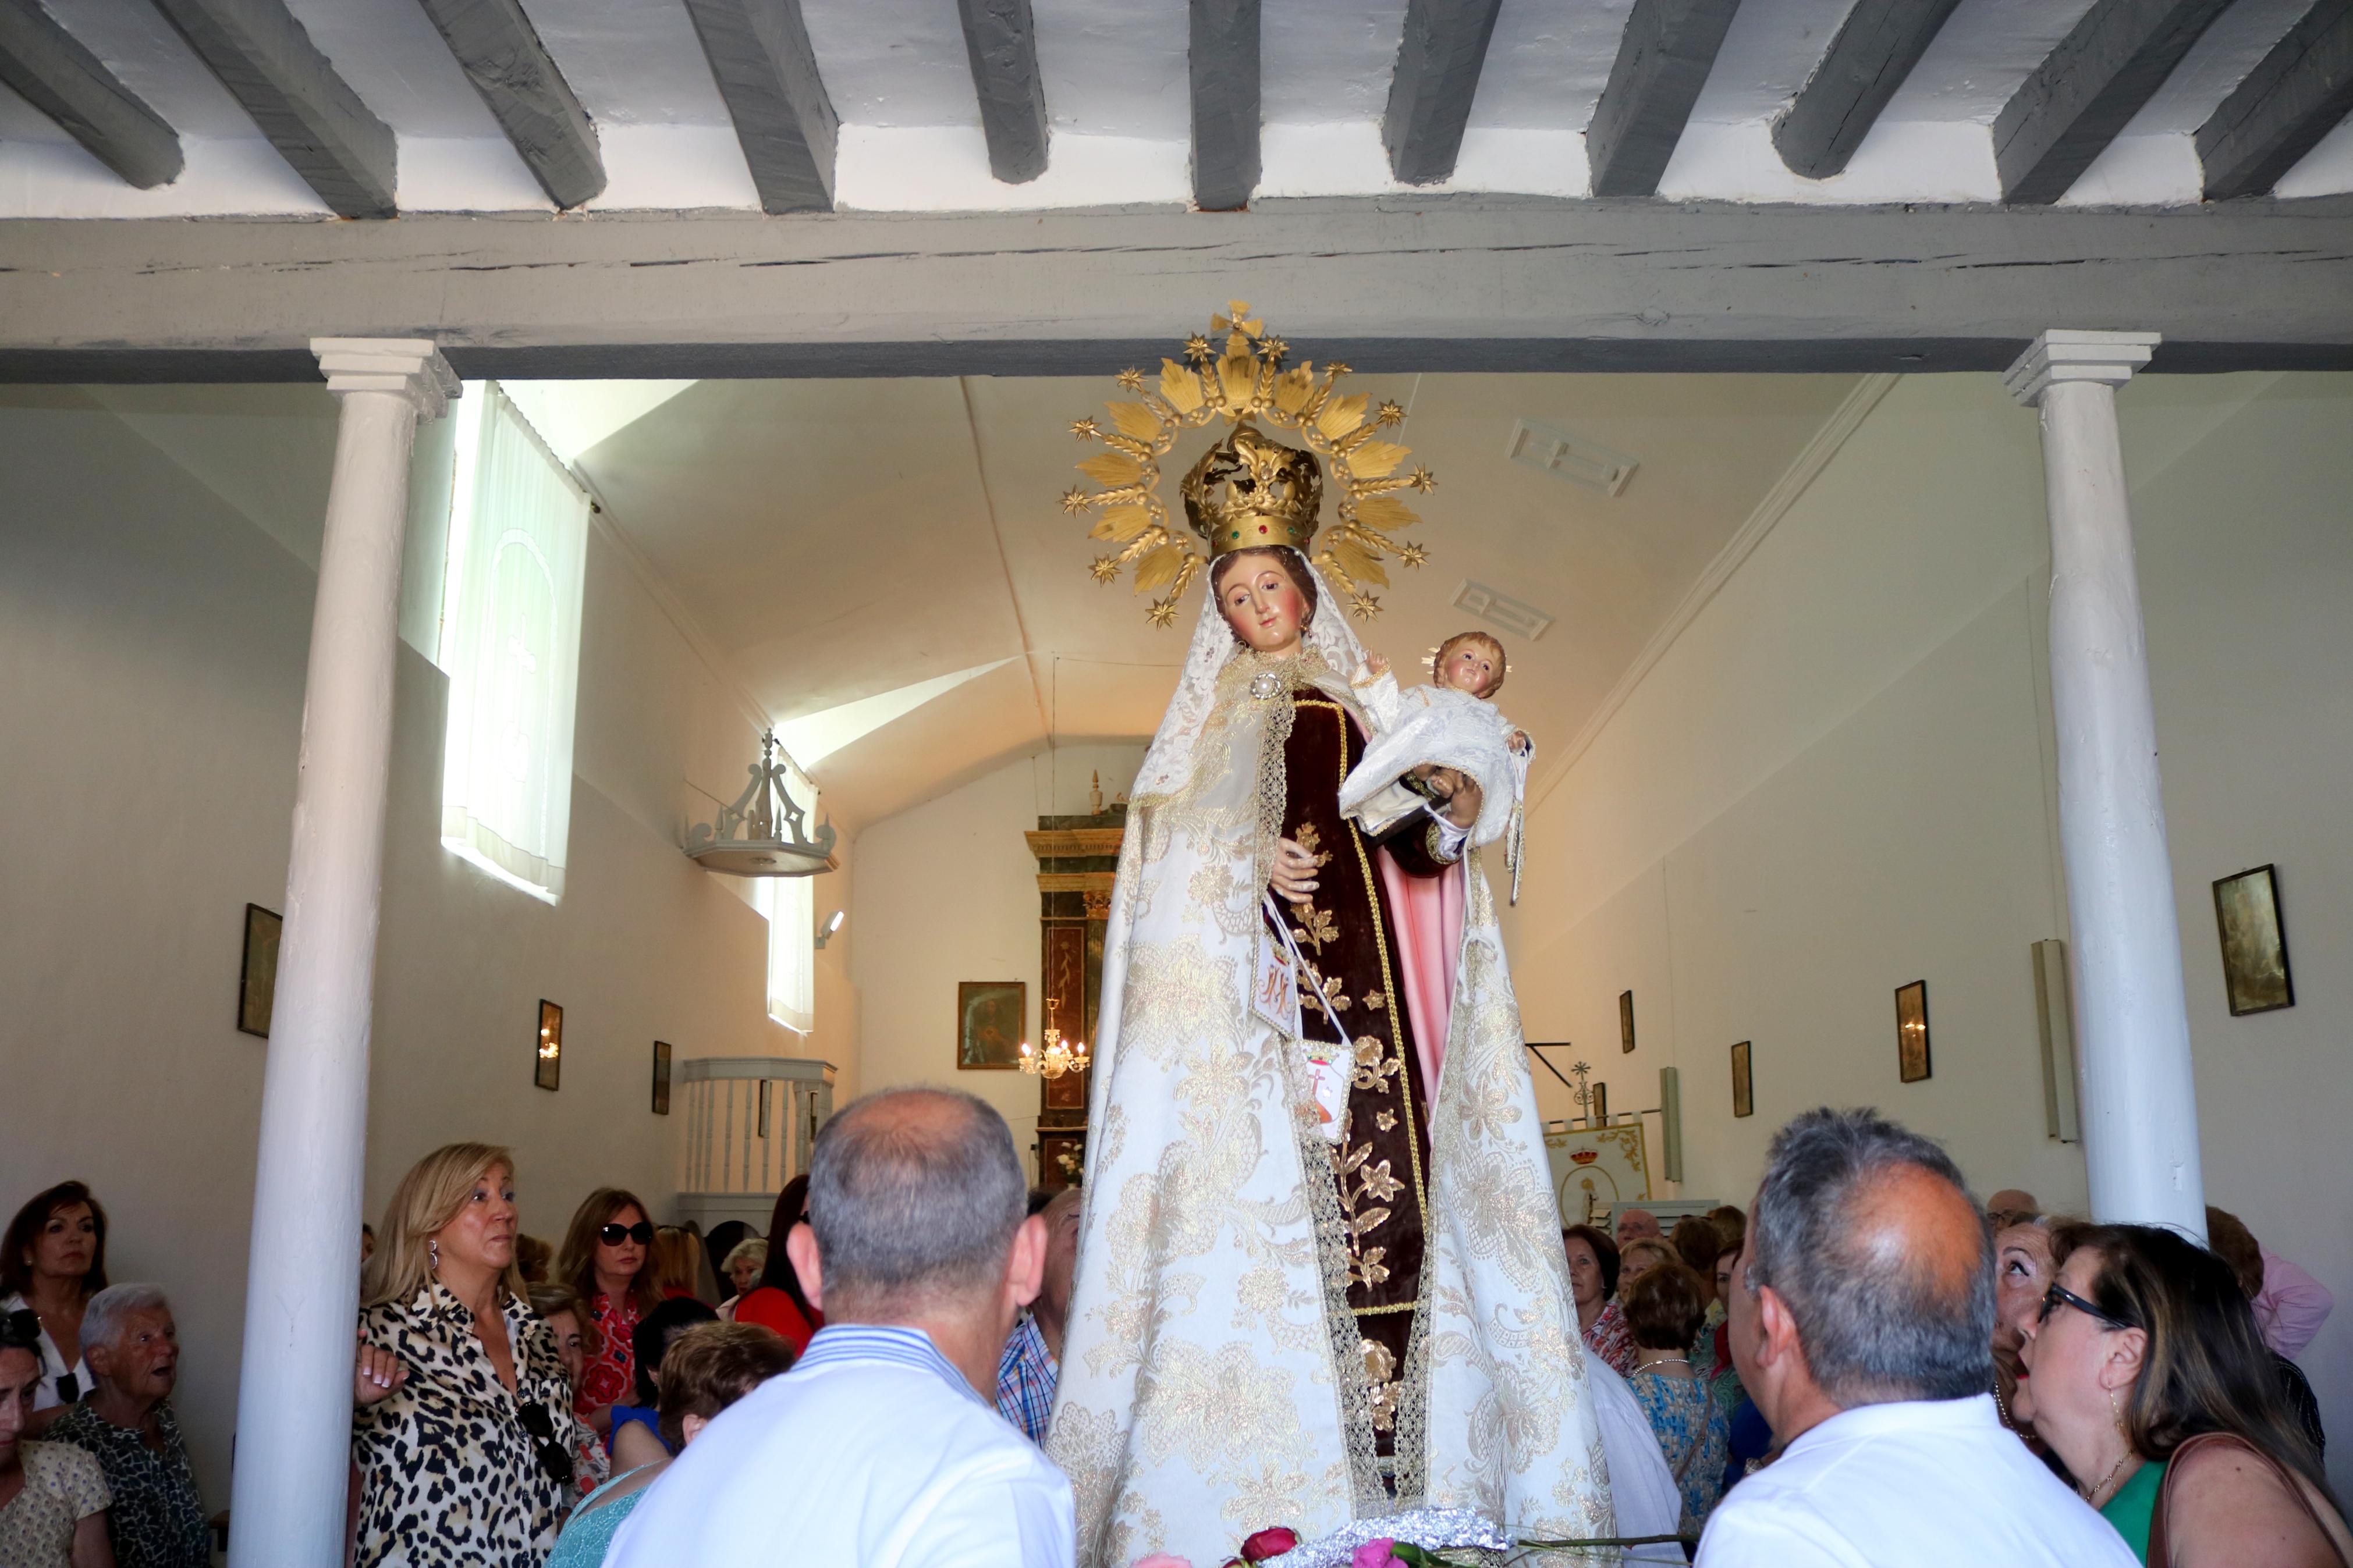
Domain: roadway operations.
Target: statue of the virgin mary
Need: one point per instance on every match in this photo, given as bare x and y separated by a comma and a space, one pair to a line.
1320, 1278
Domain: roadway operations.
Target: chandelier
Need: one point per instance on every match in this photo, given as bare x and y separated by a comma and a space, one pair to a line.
1056, 1059
764, 834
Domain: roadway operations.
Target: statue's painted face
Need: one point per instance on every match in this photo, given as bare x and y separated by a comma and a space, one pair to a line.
1262, 603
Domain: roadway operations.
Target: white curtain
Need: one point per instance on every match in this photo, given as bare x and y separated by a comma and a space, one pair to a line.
511, 644
789, 904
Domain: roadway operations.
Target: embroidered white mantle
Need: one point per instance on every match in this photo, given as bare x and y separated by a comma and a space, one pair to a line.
1210, 1380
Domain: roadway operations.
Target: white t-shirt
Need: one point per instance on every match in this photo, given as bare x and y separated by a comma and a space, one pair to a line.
1917, 1484
872, 1451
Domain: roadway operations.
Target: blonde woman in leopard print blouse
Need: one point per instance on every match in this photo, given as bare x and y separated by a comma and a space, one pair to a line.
463, 1430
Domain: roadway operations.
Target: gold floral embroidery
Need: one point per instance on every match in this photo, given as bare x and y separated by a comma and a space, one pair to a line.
1380, 1372
1373, 1067
1357, 1181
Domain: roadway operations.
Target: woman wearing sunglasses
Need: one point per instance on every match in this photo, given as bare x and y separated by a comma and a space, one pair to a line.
603, 1260
2150, 1379
463, 1435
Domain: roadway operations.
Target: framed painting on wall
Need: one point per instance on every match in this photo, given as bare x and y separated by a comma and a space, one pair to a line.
547, 1063
661, 1077
2255, 975
1598, 1108
1744, 1087
1626, 1021
257, 986
1912, 1031
990, 1014
1594, 1168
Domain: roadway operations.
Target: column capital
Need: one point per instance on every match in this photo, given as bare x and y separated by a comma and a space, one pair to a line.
2066, 353
409, 367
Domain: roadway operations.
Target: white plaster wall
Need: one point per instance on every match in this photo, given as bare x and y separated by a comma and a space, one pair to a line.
152, 641
947, 891
1839, 780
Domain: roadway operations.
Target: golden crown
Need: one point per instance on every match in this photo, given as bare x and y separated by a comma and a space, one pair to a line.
1248, 490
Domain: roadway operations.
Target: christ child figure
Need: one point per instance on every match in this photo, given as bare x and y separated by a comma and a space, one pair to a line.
1468, 670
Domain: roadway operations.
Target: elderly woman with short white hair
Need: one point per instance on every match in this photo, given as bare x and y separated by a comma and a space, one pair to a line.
745, 1262
132, 1346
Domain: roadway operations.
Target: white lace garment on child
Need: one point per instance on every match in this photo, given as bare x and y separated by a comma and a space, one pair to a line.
1440, 726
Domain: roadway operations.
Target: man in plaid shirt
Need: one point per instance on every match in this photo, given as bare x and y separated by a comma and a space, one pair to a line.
1026, 1374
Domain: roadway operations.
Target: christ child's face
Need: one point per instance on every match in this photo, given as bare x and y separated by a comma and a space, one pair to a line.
1262, 603
1472, 666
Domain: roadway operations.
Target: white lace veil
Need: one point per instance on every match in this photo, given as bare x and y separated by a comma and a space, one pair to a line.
1169, 763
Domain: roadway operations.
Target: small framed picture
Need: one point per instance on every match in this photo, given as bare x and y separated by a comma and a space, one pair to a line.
1598, 1110
547, 1062
661, 1077
990, 1014
1912, 1031
2256, 974
1744, 1087
763, 1092
257, 987
1625, 1021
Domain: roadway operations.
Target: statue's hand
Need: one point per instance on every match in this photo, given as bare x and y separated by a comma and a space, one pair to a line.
1293, 877
1462, 806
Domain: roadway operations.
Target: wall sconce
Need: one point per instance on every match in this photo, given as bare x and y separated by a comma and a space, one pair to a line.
832, 924
547, 1062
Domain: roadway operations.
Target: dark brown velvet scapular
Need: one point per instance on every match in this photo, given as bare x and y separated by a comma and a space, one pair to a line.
1347, 939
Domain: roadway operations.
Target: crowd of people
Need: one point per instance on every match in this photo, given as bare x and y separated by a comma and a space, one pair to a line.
1867, 1366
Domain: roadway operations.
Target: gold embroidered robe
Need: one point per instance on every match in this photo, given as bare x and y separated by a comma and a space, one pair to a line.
1215, 1377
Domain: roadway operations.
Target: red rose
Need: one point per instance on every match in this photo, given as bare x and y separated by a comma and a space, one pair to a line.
1270, 1543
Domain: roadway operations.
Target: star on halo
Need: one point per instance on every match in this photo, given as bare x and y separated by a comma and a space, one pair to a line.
1163, 613
1422, 479
1085, 429
1196, 348
1076, 500
1133, 380
1412, 556
1105, 568
1365, 608
1389, 413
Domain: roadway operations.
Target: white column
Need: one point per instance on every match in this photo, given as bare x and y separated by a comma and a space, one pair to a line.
302, 1299
2139, 1097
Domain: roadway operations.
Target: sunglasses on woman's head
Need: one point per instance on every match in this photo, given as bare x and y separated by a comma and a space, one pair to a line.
642, 1233
2058, 1296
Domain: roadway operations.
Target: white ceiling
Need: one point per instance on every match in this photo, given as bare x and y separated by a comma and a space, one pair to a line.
1115, 83
842, 540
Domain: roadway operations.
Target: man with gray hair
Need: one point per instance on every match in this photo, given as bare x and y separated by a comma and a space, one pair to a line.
882, 1446
1862, 1321
133, 1349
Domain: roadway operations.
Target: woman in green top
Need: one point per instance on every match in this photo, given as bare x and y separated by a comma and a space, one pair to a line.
2149, 1378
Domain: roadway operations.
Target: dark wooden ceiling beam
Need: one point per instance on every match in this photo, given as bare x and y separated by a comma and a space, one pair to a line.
2088, 89
1663, 58
1874, 49
1001, 37
264, 55
1223, 61
2302, 91
1438, 61
502, 55
760, 55
52, 71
